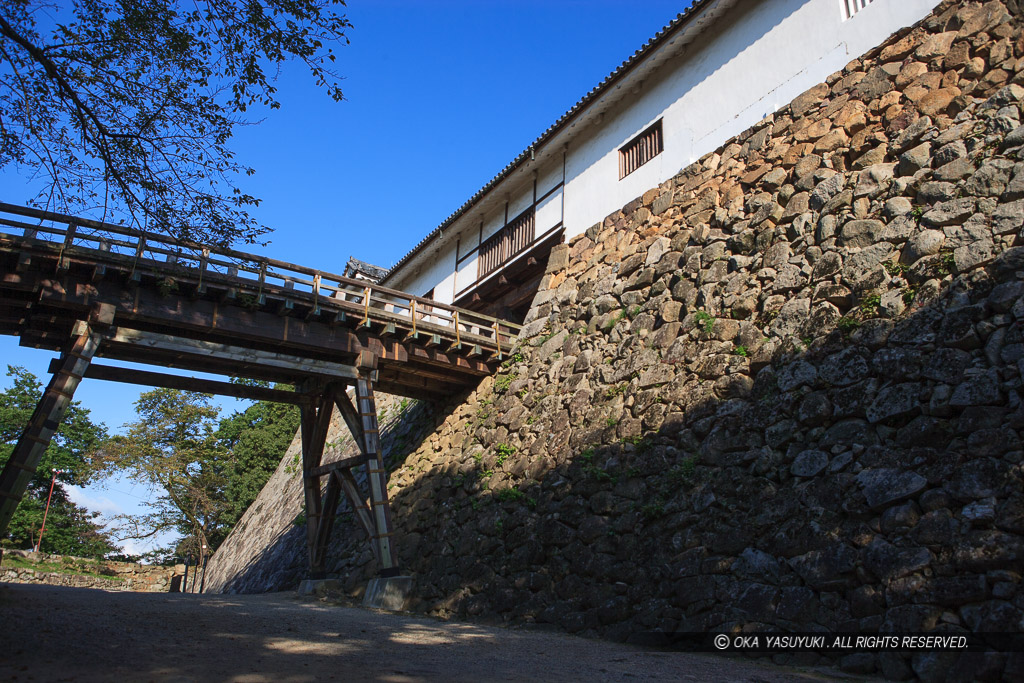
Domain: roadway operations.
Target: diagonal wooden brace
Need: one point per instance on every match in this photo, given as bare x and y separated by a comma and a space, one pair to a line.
355, 499
46, 419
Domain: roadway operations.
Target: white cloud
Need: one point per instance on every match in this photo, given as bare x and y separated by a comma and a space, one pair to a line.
94, 499
94, 502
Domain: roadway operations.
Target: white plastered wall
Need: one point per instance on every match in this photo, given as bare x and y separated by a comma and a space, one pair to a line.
757, 59
438, 274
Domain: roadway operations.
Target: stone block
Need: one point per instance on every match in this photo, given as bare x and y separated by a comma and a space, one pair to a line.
390, 593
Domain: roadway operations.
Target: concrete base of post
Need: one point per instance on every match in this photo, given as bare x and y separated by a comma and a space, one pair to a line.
390, 593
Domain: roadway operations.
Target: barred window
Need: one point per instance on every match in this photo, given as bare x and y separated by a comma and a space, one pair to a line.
851, 7
640, 150
506, 243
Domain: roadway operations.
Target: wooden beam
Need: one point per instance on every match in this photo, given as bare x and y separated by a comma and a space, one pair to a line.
452, 362
376, 475
207, 386
343, 464
314, 424
358, 503
201, 317
328, 508
47, 416
233, 353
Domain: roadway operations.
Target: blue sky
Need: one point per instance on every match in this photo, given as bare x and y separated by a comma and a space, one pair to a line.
440, 96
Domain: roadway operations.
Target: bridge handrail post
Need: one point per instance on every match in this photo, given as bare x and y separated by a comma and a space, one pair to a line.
139, 248
202, 265
69, 236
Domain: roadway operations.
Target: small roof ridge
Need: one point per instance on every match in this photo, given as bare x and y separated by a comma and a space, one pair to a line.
356, 266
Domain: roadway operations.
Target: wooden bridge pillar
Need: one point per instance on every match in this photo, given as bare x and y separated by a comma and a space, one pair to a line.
361, 420
315, 421
375, 473
49, 412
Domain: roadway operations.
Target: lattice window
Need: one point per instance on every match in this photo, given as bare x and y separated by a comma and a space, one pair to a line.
640, 150
506, 243
851, 7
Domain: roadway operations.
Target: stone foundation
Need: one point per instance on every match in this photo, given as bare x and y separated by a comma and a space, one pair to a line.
122, 576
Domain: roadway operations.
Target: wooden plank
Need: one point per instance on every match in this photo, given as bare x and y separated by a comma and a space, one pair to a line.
450, 361
233, 353
286, 304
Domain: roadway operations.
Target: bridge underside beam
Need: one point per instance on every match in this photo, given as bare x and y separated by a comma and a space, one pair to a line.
207, 386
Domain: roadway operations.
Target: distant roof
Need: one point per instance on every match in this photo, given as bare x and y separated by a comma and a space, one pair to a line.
594, 93
355, 266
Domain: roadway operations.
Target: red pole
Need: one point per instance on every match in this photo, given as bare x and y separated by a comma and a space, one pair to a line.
47, 510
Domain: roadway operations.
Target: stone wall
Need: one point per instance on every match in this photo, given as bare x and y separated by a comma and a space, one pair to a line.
782, 390
87, 573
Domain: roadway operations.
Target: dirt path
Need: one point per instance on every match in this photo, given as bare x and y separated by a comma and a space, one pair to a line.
50, 633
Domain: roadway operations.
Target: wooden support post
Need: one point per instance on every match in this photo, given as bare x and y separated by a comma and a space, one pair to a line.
328, 508
362, 422
376, 475
315, 420
49, 412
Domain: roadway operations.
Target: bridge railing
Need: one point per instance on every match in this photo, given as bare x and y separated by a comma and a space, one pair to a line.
251, 275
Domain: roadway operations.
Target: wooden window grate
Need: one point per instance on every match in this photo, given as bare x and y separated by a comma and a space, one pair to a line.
506, 243
851, 7
640, 150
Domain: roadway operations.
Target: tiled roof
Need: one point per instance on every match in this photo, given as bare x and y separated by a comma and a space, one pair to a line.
591, 96
375, 273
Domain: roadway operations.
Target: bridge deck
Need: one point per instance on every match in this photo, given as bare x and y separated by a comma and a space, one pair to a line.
210, 309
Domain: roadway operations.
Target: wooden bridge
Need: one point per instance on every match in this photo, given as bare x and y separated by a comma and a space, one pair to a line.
93, 290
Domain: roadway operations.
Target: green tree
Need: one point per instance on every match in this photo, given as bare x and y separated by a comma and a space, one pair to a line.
172, 448
70, 529
128, 105
257, 439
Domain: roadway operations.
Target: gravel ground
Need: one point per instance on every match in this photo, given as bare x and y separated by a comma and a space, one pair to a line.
50, 633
